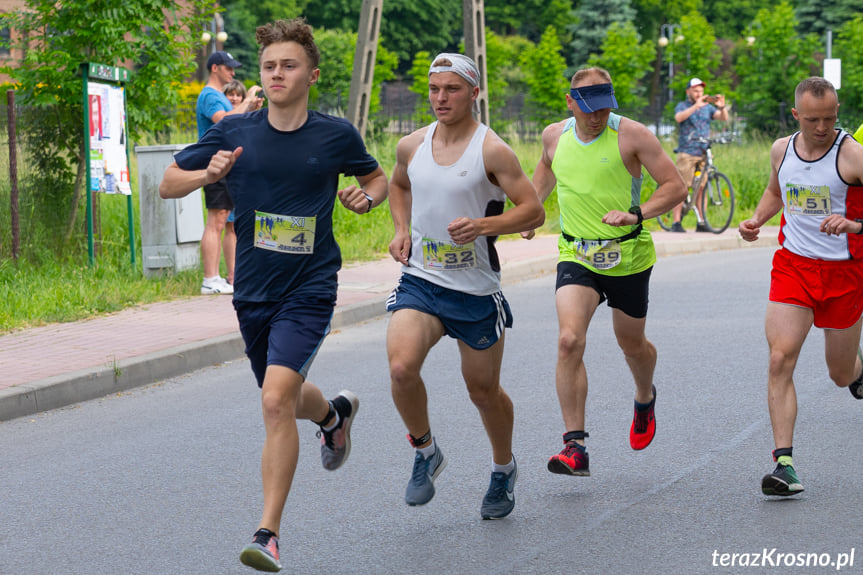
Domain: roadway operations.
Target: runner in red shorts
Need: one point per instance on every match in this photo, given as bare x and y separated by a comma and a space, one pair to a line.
817, 275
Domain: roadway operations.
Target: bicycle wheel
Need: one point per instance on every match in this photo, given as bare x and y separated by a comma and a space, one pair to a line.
665, 221
717, 202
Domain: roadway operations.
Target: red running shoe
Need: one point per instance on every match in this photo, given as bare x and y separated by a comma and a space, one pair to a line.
573, 460
263, 552
643, 426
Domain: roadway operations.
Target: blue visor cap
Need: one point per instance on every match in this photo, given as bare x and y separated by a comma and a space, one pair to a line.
594, 98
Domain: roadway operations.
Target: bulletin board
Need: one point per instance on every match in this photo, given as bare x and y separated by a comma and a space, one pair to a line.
106, 143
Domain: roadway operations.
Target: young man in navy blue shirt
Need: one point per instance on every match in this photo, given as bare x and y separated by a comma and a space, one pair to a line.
282, 164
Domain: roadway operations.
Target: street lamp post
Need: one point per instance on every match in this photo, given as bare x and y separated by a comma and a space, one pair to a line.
216, 33
666, 37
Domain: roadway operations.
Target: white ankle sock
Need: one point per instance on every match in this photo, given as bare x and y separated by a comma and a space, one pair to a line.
428, 450
495, 468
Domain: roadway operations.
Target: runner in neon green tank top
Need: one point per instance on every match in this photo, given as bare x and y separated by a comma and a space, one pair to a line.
586, 195
595, 159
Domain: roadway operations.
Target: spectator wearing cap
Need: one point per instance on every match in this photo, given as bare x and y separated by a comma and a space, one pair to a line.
212, 106
694, 116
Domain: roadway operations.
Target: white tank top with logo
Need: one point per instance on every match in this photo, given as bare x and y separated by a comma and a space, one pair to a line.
811, 191
439, 195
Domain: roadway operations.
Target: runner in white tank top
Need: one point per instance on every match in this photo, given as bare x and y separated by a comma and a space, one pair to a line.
439, 192
817, 276
812, 190
447, 196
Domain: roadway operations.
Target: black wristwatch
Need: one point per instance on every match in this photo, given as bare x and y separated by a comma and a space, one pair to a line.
371, 201
860, 221
637, 211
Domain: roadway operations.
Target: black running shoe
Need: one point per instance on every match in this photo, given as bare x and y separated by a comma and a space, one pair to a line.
783, 481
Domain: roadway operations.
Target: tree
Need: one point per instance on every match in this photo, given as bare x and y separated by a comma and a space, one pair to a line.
56, 37
335, 14
730, 18
544, 69
419, 71
818, 17
847, 46
771, 67
627, 60
529, 18
697, 52
652, 14
408, 26
330, 93
593, 20
504, 74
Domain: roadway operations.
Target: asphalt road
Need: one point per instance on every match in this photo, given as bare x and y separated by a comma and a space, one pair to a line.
165, 479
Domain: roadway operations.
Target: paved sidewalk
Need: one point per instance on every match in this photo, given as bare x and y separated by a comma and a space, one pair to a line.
61, 364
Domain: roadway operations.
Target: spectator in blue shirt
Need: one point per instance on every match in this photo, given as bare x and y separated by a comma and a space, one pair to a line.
212, 106
694, 116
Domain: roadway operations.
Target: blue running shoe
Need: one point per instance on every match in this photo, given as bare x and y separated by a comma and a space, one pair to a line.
421, 486
499, 500
263, 552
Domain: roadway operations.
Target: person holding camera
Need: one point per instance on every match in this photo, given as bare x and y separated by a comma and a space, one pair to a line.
694, 116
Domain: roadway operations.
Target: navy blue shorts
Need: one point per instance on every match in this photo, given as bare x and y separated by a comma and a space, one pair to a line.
287, 333
629, 294
477, 320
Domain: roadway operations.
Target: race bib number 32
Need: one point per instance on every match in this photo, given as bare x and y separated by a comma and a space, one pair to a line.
807, 200
286, 234
447, 256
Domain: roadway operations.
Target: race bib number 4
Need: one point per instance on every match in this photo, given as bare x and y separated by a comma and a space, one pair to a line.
599, 254
447, 256
807, 200
286, 234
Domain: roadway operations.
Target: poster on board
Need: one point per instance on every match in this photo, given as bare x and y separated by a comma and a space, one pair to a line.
109, 164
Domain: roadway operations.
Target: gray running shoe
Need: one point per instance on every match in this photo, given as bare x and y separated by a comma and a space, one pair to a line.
499, 500
421, 486
336, 444
263, 552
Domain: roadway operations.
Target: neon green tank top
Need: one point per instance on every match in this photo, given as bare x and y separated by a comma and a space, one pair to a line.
591, 181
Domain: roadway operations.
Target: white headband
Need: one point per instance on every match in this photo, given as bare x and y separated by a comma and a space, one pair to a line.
461, 65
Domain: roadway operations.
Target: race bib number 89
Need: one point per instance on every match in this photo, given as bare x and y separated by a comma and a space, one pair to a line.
286, 234
601, 254
447, 256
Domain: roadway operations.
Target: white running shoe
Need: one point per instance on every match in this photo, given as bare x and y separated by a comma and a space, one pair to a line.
216, 286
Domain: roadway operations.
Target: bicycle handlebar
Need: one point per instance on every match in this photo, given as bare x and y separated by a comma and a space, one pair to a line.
709, 141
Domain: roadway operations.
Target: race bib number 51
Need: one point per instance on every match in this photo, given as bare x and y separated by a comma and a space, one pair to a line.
286, 234
807, 200
447, 256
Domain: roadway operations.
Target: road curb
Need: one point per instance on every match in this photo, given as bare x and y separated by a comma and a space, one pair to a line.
92, 383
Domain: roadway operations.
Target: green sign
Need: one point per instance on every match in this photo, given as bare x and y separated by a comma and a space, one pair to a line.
110, 73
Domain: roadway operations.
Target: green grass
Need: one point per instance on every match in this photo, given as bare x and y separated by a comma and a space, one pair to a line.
52, 284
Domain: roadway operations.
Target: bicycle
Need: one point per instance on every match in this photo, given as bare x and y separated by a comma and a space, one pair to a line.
717, 199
